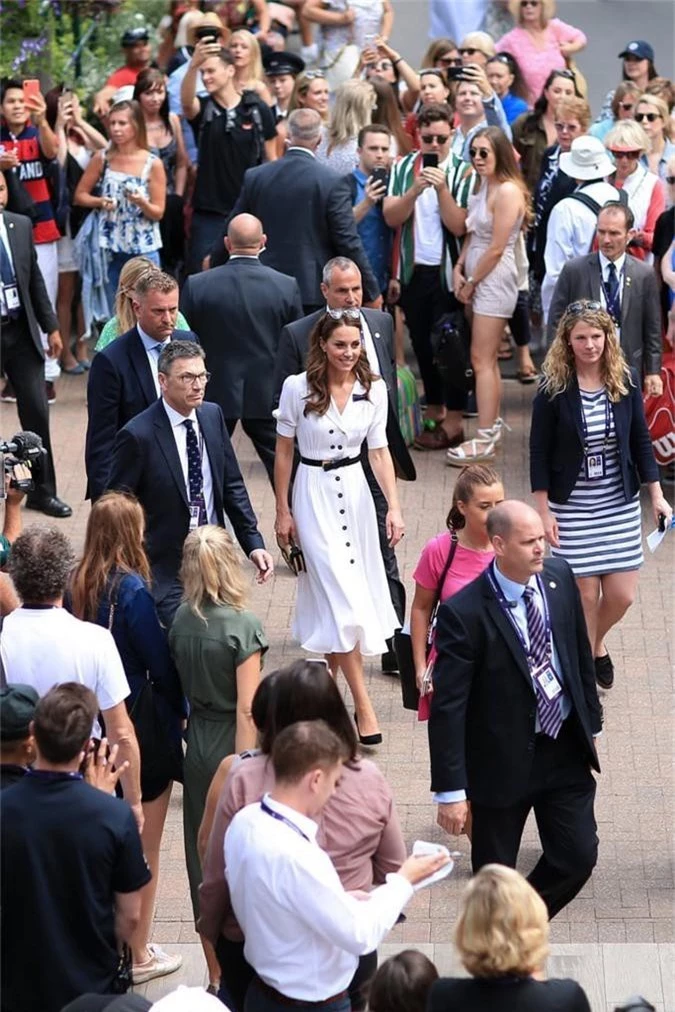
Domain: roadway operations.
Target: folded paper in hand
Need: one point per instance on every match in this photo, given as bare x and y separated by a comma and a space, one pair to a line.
423, 849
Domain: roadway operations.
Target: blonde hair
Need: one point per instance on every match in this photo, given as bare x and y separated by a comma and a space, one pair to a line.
255, 67
626, 133
502, 926
353, 109
303, 83
479, 40
211, 571
660, 106
574, 108
547, 11
558, 367
130, 275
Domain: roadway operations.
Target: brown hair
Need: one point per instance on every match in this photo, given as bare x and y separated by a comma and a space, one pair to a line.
63, 721
137, 118
402, 983
558, 367
318, 398
574, 108
471, 477
303, 747
113, 542
506, 168
623, 89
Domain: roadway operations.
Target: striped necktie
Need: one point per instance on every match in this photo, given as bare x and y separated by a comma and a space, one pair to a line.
549, 710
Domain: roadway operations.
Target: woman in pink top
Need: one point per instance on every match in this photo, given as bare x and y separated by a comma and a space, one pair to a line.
358, 828
477, 490
540, 42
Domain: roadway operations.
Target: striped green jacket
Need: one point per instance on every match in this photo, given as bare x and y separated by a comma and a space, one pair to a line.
461, 181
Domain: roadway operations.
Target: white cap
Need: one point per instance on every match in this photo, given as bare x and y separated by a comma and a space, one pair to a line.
189, 999
588, 159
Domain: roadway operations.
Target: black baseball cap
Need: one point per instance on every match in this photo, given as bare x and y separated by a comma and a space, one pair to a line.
276, 64
640, 49
17, 709
134, 35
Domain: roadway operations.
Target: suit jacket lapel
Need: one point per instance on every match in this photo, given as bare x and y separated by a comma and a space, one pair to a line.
167, 445
214, 452
497, 615
627, 285
594, 264
139, 361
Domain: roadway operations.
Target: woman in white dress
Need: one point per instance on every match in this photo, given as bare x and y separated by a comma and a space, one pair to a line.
343, 606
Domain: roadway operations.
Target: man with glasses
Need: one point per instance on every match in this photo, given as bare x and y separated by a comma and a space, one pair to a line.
177, 459
123, 380
427, 204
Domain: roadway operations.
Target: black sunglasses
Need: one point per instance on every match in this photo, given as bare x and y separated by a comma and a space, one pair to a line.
450, 61
670, 179
529, 3
649, 116
583, 306
501, 58
626, 106
482, 153
439, 138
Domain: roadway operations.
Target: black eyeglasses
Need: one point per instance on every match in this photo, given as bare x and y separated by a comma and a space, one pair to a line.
481, 153
344, 314
439, 138
583, 306
649, 116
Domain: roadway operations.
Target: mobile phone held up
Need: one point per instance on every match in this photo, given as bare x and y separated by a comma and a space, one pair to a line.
380, 175
429, 160
31, 87
206, 32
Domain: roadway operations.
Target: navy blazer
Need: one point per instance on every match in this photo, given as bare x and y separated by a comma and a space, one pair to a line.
145, 461
120, 387
557, 442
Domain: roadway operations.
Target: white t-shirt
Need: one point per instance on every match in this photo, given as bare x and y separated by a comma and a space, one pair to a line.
43, 647
428, 229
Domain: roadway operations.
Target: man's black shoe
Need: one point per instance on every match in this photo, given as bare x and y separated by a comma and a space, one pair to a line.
604, 672
50, 505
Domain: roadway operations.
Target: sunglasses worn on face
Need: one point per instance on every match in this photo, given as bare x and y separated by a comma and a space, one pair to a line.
625, 154
529, 3
450, 61
626, 106
439, 138
649, 116
670, 180
481, 153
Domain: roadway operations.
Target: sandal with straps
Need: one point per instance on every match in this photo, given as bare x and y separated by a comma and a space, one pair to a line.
473, 451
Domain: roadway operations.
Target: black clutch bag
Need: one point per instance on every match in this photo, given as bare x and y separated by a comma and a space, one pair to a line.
292, 556
451, 348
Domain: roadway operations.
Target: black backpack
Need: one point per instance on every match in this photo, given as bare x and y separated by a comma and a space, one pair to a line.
250, 108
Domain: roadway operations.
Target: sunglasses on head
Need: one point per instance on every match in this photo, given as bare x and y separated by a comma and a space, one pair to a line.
625, 154
439, 138
350, 313
583, 306
501, 58
312, 75
649, 116
481, 153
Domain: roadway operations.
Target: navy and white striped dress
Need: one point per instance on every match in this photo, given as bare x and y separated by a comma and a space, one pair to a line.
599, 531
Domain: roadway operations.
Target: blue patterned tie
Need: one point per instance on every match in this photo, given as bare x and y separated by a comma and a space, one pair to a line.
549, 710
194, 457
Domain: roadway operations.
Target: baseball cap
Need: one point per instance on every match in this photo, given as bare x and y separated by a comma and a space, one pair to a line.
17, 709
640, 49
134, 35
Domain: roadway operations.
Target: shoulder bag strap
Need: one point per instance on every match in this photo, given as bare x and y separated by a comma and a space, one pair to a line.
439, 589
3, 673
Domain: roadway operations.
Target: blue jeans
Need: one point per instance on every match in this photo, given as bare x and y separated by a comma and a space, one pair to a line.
207, 229
116, 262
260, 1000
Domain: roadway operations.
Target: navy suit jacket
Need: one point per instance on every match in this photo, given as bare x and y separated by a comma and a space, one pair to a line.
557, 442
483, 709
145, 461
120, 387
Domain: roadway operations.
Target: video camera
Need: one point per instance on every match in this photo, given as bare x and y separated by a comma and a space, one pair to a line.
25, 448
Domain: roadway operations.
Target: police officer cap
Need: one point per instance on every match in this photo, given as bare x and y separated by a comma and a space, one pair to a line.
17, 709
276, 64
134, 35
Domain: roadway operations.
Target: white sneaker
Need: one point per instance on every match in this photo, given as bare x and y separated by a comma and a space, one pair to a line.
159, 965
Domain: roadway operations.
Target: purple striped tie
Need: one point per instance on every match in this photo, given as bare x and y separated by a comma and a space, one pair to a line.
549, 710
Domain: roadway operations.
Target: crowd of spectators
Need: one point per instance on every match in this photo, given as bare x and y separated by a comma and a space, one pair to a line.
306, 203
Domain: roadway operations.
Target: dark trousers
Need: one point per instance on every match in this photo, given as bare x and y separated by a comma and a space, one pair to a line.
25, 369
561, 791
259, 999
396, 588
424, 301
263, 434
206, 229
520, 321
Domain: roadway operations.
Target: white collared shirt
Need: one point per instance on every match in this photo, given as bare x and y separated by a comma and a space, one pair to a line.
303, 932
369, 345
180, 435
149, 344
4, 239
298, 147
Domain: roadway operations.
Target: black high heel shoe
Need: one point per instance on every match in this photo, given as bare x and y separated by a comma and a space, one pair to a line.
367, 739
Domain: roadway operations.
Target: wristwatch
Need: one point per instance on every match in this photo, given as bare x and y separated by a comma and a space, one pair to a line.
470, 281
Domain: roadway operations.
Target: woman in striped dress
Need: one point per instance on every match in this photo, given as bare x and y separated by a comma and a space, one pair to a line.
589, 452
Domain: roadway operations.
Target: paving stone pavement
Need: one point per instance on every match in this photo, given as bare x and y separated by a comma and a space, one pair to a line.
629, 900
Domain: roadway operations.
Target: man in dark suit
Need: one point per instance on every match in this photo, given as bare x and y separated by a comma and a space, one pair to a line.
341, 289
123, 380
239, 310
24, 308
307, 213
626, 287
177, 459
515, 710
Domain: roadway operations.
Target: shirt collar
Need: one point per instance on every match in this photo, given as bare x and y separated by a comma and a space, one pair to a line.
303, 822
175, 418
297, 147
512, 591
604, 262
244, 256
150, 342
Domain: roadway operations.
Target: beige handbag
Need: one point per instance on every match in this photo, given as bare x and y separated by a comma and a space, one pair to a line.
340, 66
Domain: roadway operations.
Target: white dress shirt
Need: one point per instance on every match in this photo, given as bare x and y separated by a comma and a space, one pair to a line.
180, 435
303, 932
369, 345
620, 272
153, 353
4, 239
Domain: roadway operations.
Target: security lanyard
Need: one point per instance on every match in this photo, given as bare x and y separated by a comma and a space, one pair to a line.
608, 425
508, 611
282, 818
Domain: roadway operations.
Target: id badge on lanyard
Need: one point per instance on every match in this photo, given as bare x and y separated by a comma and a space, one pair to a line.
11, 296
595, 461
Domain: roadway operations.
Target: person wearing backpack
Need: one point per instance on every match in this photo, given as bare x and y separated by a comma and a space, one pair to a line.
235, 132
572, 224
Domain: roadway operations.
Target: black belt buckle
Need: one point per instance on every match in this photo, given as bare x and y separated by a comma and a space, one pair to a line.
332, 465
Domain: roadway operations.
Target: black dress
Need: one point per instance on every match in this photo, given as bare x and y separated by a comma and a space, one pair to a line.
506, 994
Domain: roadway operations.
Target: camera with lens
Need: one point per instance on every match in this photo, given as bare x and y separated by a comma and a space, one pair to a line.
16, 455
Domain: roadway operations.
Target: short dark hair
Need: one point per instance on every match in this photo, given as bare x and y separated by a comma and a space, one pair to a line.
402, 983
434, 114
154, 281
178, 349
624, 209
63, 721
305, 746
371, 128
226, 56
40, 564
7, 84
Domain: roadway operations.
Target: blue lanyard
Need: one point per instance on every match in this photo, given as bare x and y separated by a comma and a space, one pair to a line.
282, 818
504, 604
51, 776
608, 423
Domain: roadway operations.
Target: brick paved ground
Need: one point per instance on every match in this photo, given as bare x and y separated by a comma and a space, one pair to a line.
630, 897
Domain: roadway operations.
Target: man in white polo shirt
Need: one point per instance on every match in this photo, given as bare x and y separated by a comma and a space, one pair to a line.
43, 645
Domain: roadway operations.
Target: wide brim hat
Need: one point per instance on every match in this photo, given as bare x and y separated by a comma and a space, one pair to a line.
587, 159
213, 21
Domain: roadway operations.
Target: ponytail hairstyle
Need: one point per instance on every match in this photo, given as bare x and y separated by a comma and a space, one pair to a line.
471, 477
211, 571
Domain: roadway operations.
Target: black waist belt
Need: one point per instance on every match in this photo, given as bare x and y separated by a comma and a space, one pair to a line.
330, 465
295, 1002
